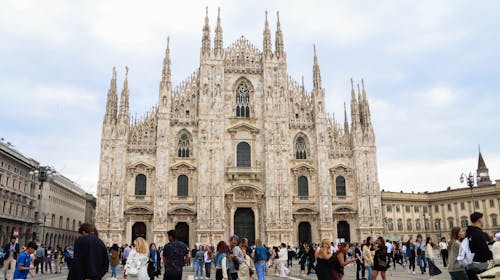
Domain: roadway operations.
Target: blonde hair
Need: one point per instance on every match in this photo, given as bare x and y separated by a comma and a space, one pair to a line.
141, 246
325, 244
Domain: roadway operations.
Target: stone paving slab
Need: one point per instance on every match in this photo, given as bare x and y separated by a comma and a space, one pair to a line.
350, 274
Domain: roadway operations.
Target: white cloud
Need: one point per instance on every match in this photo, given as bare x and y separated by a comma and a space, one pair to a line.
439, 96
431, 175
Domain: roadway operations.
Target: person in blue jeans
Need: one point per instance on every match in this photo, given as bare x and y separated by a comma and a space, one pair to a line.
24, 261
199, 261
260, 259
420, 252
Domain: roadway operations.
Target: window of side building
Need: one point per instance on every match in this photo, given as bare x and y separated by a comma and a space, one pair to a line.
407, 208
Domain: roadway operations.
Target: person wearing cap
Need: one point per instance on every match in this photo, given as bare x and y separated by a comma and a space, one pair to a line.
495, 249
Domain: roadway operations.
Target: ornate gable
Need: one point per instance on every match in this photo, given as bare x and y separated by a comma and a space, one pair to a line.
243, 57
243, 127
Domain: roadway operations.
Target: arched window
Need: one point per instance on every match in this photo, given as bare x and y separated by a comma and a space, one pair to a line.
182, 185
400, 224
417, 224
303, 186
300, 148
183, 150
426, 224
340, 186
437, 224
242, 101
450, 222
140, 184
409, 225
390, 225
463, 222
243, 155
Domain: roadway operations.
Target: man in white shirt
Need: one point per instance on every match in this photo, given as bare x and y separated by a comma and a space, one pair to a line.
389, 246
282, 259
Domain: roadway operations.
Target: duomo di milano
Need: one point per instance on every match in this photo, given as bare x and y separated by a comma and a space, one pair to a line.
238, 147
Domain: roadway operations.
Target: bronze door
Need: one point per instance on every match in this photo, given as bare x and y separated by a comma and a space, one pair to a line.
244, 224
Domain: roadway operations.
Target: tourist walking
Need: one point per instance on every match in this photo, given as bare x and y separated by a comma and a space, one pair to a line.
420, 253
261, 256
126, 252
340, 261
115, 259
137, 261
199, 260
360, 263
443, 251
22, 266
455, 269
222, 261
302, 255
380, 259
11, 251
323, 258
282, 259
431, 257
154, 263
236, 257
175, 255
478, 246
90, 259
39, 258
495, 249
411, 254
48, 259
368, 257
208, 261
247, 267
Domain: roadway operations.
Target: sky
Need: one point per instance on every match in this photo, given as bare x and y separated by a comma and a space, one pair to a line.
431, 71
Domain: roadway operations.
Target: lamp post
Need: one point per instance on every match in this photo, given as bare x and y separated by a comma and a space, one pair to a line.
470, 182
43, 174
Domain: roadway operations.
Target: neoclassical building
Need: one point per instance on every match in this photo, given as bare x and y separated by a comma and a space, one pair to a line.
239, 147
436, 213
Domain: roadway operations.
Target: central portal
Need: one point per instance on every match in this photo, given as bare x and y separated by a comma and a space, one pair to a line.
138, 230
244, 224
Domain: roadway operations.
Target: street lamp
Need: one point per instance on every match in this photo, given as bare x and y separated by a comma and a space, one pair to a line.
470, 183
43, 174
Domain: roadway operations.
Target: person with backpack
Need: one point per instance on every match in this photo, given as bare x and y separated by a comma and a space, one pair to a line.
261, 257
478, 246
247, 267
455, 268
410, 253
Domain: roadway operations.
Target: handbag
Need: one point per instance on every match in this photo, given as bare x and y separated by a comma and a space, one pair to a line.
132, 266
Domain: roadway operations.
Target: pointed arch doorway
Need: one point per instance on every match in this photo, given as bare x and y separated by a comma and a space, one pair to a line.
138, 230
305, 232
244, 224
343, 231
182, 231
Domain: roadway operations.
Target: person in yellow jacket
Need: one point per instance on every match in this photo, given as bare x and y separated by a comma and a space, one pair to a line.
368, 257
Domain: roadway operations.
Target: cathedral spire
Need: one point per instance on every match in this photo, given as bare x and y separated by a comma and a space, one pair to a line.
354, 107
123, 117
367, 113
218, 44
316, 72
267, 40
111, 101
166, 74
205, 42
346, 124
280, 50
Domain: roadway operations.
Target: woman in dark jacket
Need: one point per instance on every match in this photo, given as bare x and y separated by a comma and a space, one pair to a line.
154, 264
380, 259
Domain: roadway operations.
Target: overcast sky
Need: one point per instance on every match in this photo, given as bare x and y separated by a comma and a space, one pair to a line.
431, 71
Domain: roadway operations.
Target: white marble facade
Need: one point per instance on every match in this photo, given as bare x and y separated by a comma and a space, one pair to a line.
226, 150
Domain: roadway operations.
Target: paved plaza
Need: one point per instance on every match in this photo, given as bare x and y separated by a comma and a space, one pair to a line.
350, 274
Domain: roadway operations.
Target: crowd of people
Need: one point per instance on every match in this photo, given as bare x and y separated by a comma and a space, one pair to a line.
467, 253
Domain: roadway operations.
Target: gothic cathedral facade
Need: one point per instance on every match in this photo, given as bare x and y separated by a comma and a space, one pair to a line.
238, 147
